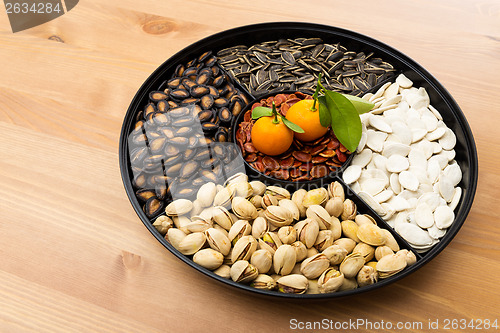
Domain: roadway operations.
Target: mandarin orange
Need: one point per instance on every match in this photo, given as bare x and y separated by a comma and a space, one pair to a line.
270, 138
300, 113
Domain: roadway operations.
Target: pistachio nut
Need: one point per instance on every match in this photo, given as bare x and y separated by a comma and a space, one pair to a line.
409, 256
324, 240
239, 229
263, 281
293, 283
175, 236
317, 196
334, 206
350, 230
336, 190
371, 234
307, 232
197, 208
351, 264
162, 224
278, 192
297, 198
335, 254
361, 219
242, 189
278, 216
313, 287
291, 206
330, 281
239, 177
224, 197
223, 271
208, 258
197, 225
268, 200
346, 243
181, 222
391, 264
179, 207
348, 284
300, 250
256, 200
262, 260
314, 266
259, 188
296, 269
320, 215
205, 215
244, 248
243, 271
311, 252
390, 241
367, 251
336, 228
270, 242
350, 209
382, 251
192, 243
287, 234
366, 276
227, 258
259, 227
284, 259
218, 241
243, 208
372, 264
221, 229
206, 194
222, 217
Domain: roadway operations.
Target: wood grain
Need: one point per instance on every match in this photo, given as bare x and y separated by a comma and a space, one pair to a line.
74, 255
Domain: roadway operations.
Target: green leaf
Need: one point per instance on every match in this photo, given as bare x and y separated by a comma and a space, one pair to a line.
292, 126
261, 111
361, 105
325, 118
346, 123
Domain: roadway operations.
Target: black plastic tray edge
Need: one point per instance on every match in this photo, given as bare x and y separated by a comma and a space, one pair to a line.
146, 86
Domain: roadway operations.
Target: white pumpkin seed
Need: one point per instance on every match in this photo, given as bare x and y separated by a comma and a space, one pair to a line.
448, 140
397, 163
394, 148
403, 81
408, 180
435, 232
433, 170
362, 141
370, 201
413, 234
423, 215
362, 158
456, 198
383, 196
392, 90
446, 188
373, 186
435, 134
453, 173
403, 132
375, 140
435, 112
417, 158
394, 183
351, 174
379, 123
444, 216
393, 100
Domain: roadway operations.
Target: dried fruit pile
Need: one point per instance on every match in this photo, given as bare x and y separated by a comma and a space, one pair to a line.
310, 242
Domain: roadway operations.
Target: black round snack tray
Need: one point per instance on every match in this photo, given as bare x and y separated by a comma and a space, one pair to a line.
466, 155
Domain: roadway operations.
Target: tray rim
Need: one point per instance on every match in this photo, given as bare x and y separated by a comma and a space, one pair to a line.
360, 38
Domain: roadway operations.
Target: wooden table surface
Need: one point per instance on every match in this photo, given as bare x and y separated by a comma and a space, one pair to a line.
74, 256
